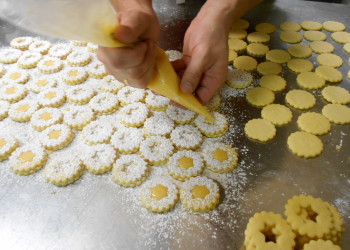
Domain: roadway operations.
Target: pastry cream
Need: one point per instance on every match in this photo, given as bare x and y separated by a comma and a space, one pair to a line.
3, 142
159, 192
220, 155
200, 191
185, 162
26, 157
46, 116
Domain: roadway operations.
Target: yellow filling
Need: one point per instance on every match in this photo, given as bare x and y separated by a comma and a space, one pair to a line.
26, 157
159, 192
42, 83
2, 142
199, 191
15, 76
55, 134
185, 162
50, 95
12, 90
220, 155
23, 108
73, 73
49, 63
46, 116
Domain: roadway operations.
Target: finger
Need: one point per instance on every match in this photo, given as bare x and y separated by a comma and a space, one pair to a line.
208, 87
123, 58
178, 65
132, 26
192, 75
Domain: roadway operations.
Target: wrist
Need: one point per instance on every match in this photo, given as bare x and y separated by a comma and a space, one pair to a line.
134, 5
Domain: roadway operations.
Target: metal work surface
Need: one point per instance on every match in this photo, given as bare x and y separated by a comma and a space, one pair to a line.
95, 213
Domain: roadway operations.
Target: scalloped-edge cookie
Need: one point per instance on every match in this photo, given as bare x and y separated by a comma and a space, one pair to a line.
260, 130
260, 97
337, 113
304, 144
336, 95
300, 99
314, 123
277, 114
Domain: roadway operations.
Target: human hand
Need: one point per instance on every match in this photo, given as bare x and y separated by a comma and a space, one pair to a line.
203, 67
140, 28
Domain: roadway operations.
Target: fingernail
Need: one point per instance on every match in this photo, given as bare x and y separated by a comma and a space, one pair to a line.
187, 87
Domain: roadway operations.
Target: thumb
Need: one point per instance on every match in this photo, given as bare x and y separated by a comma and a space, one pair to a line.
192, 76
132, 26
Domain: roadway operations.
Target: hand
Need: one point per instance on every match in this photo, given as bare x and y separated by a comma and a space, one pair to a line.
203, 67
139, 26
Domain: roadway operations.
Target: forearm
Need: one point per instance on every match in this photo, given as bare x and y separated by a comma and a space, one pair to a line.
226, 11
131, 4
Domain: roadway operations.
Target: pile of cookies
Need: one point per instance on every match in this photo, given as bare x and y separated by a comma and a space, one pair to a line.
64, 98
250, 52
310, 223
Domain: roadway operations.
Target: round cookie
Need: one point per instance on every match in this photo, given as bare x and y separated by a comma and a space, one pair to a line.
18, 76
22, 111
159, 195
56, 137
45, 117
274, 83
258, 37
267, 230
321, 47
8, 144
265, 28
260, 129
277, 114
133, 115
27, 159
214, 103
96, 70
78, 116
9, 55
156, 149
78, 58
314, 123
62, 171
259, 96
158, 124
331, 60
330, 74
299, 65
21, 43
290, 26
239, 79
333, 26
311, 25
232, 55
337, 113
80, 95
304, 144
300, 99
40, 46
60, 50
257, 49
314, 35
185, 164
186, 137
130, 170
336, 95
240, 24
347, 48
321, 245
278, 56
74, 75
29, 60
310, 80
127, 140
269, 68
215, 128
245, 63
236, 45
341, 37
52, 97
12, 92
237, 34
97, 132
291, 37
104, 103
91, 47
128, 95
111, 85
99, 159
50, 65
300, 50
220, 158
200, 194
179, 115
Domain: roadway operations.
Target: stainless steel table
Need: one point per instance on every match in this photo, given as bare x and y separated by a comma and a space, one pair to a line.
95, 213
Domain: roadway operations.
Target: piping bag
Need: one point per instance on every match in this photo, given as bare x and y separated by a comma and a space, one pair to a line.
92, 21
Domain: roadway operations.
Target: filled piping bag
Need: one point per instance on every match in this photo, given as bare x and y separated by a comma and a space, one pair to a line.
93, 21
